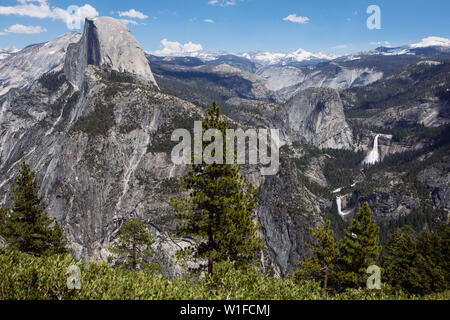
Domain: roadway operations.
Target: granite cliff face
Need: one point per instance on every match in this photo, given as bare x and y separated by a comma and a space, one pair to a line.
286, 82
316, 116
106, 42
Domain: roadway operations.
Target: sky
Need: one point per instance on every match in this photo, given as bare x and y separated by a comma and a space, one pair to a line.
237, 26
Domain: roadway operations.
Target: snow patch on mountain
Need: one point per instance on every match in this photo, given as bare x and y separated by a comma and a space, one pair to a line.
272, 58
6, 52
431, 42
200, 54
264, 58
393, 52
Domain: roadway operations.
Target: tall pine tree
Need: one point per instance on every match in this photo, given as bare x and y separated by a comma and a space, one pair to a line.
359, 249
218, 210
27, 227
324, 249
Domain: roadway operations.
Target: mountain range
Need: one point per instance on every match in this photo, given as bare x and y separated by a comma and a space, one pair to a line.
93, 113
303, 57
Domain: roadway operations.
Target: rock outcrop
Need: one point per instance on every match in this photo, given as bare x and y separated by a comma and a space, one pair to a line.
437, 178
316, 116
106, 42
287, 81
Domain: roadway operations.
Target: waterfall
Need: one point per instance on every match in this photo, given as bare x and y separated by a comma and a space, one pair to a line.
339, 207
172, 171
337, 190
374, 156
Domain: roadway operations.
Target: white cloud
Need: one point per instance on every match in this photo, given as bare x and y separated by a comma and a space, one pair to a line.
294, 19
126, 21
173, 48
192, 47
341, 46
42, 10
223, 3
209, 20
87, 11
132, 14
432, 41
380, 43
19, 28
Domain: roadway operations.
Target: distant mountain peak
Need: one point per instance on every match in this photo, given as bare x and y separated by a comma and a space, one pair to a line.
259, 57
273, 58
431, 44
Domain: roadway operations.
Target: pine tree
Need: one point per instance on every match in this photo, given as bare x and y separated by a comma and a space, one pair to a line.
408, 268
436, 246
397, 257
218, 211
134, 245
359, 249
27, 227
4, 213
325, 252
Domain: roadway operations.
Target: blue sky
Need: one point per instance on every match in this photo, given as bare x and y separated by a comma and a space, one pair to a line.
329, 26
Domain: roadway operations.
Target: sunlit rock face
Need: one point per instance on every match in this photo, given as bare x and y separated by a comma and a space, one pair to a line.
316, 115
106, 42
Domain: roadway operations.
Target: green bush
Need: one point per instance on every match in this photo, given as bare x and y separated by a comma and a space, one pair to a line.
25, 277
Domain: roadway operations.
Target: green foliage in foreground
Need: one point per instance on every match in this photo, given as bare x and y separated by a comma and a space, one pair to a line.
25, 276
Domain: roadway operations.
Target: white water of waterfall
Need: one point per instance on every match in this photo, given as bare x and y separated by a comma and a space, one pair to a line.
374, 156
339, 207
337, 190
